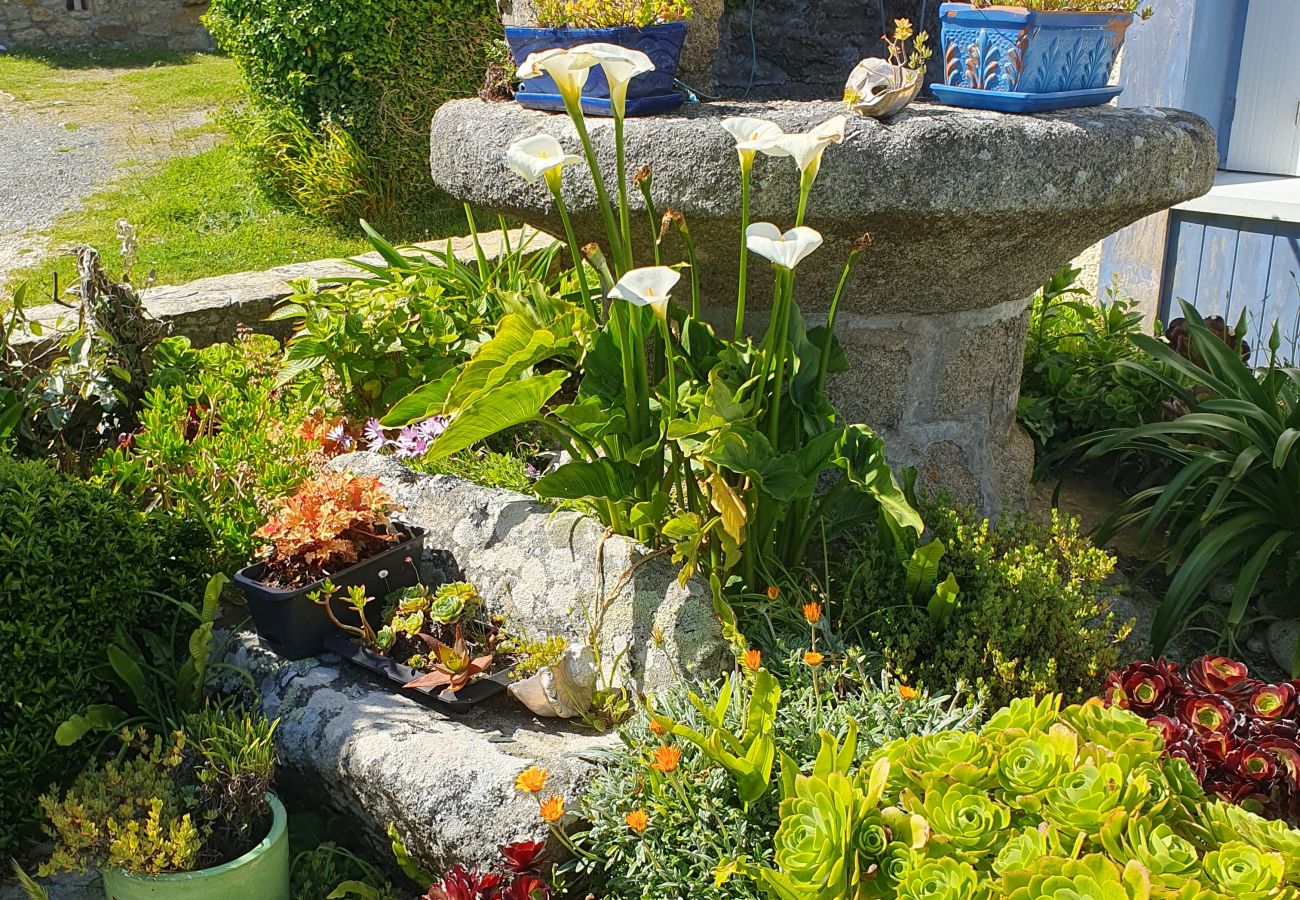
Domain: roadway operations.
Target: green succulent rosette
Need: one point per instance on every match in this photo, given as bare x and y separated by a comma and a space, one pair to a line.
1030, 765
1109, 733
923, 762
964, 821
1024, 849
451, 601
1084, 799
815, 842
943, 878
384, 638
1092, 878
408, 625
411, 600
1170, 860
1022, 718
1224, 822
1246, 872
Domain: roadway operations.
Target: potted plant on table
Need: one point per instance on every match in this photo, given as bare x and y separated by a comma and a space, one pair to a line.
1032, 55
656, 28
882, 87
337, 527
189, 816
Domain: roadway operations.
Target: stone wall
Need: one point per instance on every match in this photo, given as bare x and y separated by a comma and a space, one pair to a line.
805, 49
162, 24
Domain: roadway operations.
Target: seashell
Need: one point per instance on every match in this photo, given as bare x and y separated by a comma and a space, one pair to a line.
878, 88
564, 690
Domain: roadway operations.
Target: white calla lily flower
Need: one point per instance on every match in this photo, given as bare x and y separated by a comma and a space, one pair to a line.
751, 135
807, 147
647, 286
567, 67
540, 156
620, 65
785, 250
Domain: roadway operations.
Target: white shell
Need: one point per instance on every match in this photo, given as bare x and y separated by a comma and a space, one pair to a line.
562, 691
877, 87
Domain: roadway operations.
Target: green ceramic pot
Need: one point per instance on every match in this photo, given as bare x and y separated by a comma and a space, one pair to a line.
260, 874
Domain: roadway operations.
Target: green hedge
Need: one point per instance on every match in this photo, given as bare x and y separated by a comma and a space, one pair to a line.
377, 68
75, 564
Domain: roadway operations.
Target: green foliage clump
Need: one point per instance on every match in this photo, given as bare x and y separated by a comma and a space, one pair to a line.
1030, 618
1075, 379
696, 818
76, 563
481, 466
1042, 802
218, 443
375, 70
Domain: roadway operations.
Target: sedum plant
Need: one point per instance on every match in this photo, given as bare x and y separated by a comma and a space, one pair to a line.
609, 13
711, 445
1099, 813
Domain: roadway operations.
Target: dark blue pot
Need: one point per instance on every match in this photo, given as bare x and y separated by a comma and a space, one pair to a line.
1014, 59
647, 94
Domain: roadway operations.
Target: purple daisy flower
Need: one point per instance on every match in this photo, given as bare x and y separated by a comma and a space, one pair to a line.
375, 438
410, 442
431, 428
339, 436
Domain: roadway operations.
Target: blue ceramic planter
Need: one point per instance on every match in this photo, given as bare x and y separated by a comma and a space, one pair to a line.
1014, 59
647, 94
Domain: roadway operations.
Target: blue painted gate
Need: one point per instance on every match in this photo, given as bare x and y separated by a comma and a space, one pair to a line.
1223, 264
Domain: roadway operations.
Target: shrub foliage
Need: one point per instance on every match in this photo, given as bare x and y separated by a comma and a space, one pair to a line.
1030, 616
76, 563
377, 69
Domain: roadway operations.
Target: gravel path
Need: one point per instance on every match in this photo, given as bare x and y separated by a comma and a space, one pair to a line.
46, 168
50, 163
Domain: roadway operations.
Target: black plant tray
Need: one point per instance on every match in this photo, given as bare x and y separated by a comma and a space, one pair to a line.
462, 701
295, 627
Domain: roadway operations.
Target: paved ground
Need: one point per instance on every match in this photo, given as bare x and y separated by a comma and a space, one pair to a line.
49, 163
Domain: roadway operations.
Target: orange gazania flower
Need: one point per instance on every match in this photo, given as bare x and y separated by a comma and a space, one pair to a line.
637, 820
752, 660
657, 727
812, 612
907, 693
553, 809
666, 759
813, 658
531, 780
773, 592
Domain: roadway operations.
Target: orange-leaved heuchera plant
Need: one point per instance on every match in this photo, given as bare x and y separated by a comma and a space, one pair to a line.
333, 520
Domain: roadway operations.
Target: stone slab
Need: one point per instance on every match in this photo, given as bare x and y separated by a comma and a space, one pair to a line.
347, 740
208, 310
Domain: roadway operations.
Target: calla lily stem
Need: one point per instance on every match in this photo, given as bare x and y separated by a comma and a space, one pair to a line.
744, 250
574, 250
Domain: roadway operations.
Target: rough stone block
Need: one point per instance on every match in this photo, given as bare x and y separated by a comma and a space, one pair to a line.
556, 572
375, 756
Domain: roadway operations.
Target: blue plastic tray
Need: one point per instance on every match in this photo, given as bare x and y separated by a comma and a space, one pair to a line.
1019, 102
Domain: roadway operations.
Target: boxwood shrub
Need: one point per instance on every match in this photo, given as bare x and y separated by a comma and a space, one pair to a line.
376, 68
75, 564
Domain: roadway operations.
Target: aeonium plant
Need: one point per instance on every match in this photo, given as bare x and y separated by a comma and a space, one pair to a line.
711, 445
1239, 735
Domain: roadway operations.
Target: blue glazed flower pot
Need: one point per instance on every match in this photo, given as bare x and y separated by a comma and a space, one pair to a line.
1013, 59
647, 94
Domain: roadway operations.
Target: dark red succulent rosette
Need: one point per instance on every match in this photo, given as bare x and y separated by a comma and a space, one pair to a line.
1217, 674
523, 856
1240, 736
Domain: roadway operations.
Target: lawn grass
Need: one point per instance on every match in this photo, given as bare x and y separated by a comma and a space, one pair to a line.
195, 216
200, 214
102, 84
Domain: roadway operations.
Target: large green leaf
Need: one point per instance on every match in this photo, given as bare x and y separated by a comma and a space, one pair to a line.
585, 480
99, 717
130, 673
517, 346
861, 455
425, 401
922, 571
494, 411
